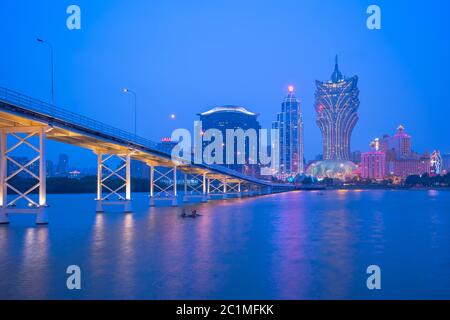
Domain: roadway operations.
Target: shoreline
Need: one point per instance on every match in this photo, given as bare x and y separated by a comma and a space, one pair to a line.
387, 188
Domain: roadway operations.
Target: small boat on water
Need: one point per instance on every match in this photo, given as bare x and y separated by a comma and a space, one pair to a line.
193, 215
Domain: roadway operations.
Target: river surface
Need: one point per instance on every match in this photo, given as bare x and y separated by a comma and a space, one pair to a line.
298, 245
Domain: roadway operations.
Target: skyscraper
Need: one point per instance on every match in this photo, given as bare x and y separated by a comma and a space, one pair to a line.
336, 105
401, 143
290, 125
373, 163
225, 118
62, 169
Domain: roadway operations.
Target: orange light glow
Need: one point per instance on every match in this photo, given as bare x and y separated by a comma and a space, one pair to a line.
291, 89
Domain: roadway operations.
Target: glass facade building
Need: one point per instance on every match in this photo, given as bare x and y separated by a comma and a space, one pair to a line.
337, 103
234, 117
290, 125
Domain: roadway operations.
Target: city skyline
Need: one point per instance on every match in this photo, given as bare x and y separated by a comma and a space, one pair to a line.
206, 152
383, 60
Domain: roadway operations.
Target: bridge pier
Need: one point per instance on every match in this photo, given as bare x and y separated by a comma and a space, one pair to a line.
223, 188
163, 185
195, 192
24, 137
105, 174
216, 188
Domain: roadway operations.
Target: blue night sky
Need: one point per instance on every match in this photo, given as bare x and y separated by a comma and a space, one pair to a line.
183, 57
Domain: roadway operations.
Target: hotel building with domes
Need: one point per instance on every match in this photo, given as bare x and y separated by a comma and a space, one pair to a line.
336, 106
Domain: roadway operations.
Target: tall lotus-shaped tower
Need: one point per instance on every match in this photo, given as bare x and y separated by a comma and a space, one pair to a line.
336, 105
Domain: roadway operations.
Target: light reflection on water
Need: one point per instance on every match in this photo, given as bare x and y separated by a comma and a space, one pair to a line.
299, 245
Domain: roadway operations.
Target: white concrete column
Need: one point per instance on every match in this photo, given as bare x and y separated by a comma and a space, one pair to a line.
3, 168
99, 175
99, 206
152, 179
225, 195
204, 184
128, 178
42, 169
209, 186
42, 215
205, 190
175, 192
3, 171
185, 197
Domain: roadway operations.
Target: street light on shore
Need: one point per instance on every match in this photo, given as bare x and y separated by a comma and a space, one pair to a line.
51, 53
126, 90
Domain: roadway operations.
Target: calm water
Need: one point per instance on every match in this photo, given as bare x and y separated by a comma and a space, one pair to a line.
291, 246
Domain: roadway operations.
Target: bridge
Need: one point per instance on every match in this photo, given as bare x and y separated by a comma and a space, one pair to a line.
26, 122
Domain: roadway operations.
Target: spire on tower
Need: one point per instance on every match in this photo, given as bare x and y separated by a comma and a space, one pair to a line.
337, 75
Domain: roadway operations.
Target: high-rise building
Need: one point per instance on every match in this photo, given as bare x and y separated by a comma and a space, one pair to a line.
50, 168
436, 163
373, 163
290, 125
336, 105
62, 169
234, 118
401, 143
400, 160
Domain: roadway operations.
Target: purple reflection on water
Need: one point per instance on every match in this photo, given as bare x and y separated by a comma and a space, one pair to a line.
299, 245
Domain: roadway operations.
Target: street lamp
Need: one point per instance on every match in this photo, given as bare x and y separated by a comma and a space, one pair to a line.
51, 52
126, 90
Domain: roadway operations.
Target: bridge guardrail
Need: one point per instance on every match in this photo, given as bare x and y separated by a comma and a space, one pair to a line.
47, 109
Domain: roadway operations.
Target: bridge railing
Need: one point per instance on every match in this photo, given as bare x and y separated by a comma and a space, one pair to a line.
46, 109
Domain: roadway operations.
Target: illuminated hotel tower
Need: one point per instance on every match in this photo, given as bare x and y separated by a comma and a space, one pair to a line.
290, 125
336, 105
